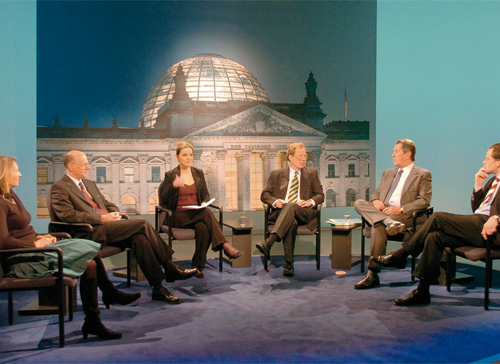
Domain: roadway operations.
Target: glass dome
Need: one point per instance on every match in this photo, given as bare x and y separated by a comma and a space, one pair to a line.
209, 77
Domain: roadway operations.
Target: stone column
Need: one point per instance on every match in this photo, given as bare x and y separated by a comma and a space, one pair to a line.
341, 200
243, 167
58, 169
268, 164
143, 184
197, 158
220, 175
115, 178
168, 162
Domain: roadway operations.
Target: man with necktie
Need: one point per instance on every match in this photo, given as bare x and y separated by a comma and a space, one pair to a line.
76, 199
293, 193
402, 190
444, 230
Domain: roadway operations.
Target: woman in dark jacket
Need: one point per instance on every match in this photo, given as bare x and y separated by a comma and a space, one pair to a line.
185, 186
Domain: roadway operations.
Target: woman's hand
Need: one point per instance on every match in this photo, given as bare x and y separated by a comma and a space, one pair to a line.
44, 240
178, 183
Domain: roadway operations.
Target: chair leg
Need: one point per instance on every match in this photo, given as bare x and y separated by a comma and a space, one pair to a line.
412, 267
70, 302
362, 250
487, 283
11, 308
62, 302
448, 270
129, 268
318, 249
220, 260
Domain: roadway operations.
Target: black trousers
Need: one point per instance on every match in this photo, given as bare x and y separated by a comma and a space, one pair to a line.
151, 252
287, 221
207, 230
440, 231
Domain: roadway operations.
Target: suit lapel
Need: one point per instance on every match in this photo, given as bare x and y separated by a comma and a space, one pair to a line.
284, 178
409, 180
94, 193
75, 189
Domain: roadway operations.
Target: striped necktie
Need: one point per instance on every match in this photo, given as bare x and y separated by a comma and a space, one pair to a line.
91, 200
393, 187
490, 192
294, 188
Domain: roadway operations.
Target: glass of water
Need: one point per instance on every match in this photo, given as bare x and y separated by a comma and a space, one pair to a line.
347, 218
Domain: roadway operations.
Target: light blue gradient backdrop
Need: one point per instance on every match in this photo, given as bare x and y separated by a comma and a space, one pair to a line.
438, 82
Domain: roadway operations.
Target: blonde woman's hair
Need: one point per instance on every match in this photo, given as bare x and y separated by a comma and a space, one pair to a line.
181, 146
6, 168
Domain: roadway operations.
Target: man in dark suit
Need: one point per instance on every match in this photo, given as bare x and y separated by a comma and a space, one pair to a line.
444, 229
293, 193
76, 199
402, 190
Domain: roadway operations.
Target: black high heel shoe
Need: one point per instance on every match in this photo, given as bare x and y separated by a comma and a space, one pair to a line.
119, 298
96, 327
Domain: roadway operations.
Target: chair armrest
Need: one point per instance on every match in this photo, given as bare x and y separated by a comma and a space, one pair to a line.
221, 212
167, 215
47, 249
419, 213
61, 235
75, 230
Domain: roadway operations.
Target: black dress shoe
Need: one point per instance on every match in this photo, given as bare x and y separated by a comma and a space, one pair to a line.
162, 294
96, 327
119, 298
289, 271
367, 282
416, 297
263, 247
389, 260
199, 274
177, 273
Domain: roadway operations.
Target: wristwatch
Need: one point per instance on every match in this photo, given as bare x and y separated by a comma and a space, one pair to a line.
402, 210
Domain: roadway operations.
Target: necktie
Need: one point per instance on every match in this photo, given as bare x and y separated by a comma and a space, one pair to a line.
393, 187
294, 188
90, 199
490, 192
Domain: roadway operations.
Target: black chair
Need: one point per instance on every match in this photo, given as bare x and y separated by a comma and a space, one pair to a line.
487, 254
366, 233
9, 285
301, 230
84, 231
164, 223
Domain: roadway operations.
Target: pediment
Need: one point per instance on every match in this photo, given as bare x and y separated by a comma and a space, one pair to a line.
258, 121
42, 160
101, 160
129, 160
156, 160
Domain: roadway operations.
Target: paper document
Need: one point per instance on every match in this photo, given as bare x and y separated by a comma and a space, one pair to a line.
202, 206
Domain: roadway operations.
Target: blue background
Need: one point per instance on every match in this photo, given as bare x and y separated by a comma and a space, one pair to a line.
437, 83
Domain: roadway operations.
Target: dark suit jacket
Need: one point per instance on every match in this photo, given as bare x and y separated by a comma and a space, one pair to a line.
169, 196
417, 190
70, 205
310, 189
477, 198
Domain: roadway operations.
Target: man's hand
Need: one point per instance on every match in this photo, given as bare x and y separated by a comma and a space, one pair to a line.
112, 216
379, 205
279, 203
479, 178
392, 210
304, 203
490, 227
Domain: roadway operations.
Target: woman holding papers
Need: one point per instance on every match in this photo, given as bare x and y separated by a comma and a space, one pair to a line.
185, 192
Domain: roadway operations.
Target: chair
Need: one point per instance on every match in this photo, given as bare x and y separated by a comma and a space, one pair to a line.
9, 285
366, 233
301, 230
84, 231
486, 255
164, 223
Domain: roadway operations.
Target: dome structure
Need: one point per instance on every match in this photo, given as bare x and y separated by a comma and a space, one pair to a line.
210, 77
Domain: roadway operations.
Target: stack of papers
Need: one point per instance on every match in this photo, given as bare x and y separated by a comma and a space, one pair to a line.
341, 222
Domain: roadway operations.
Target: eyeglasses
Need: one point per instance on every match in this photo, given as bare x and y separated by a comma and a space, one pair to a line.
300, 156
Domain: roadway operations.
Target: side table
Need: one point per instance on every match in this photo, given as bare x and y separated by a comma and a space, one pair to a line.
342, 246
241, 240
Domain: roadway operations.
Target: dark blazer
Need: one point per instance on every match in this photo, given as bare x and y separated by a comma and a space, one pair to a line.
70, 205
477, 198
169, 195
417, 190
310, 189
